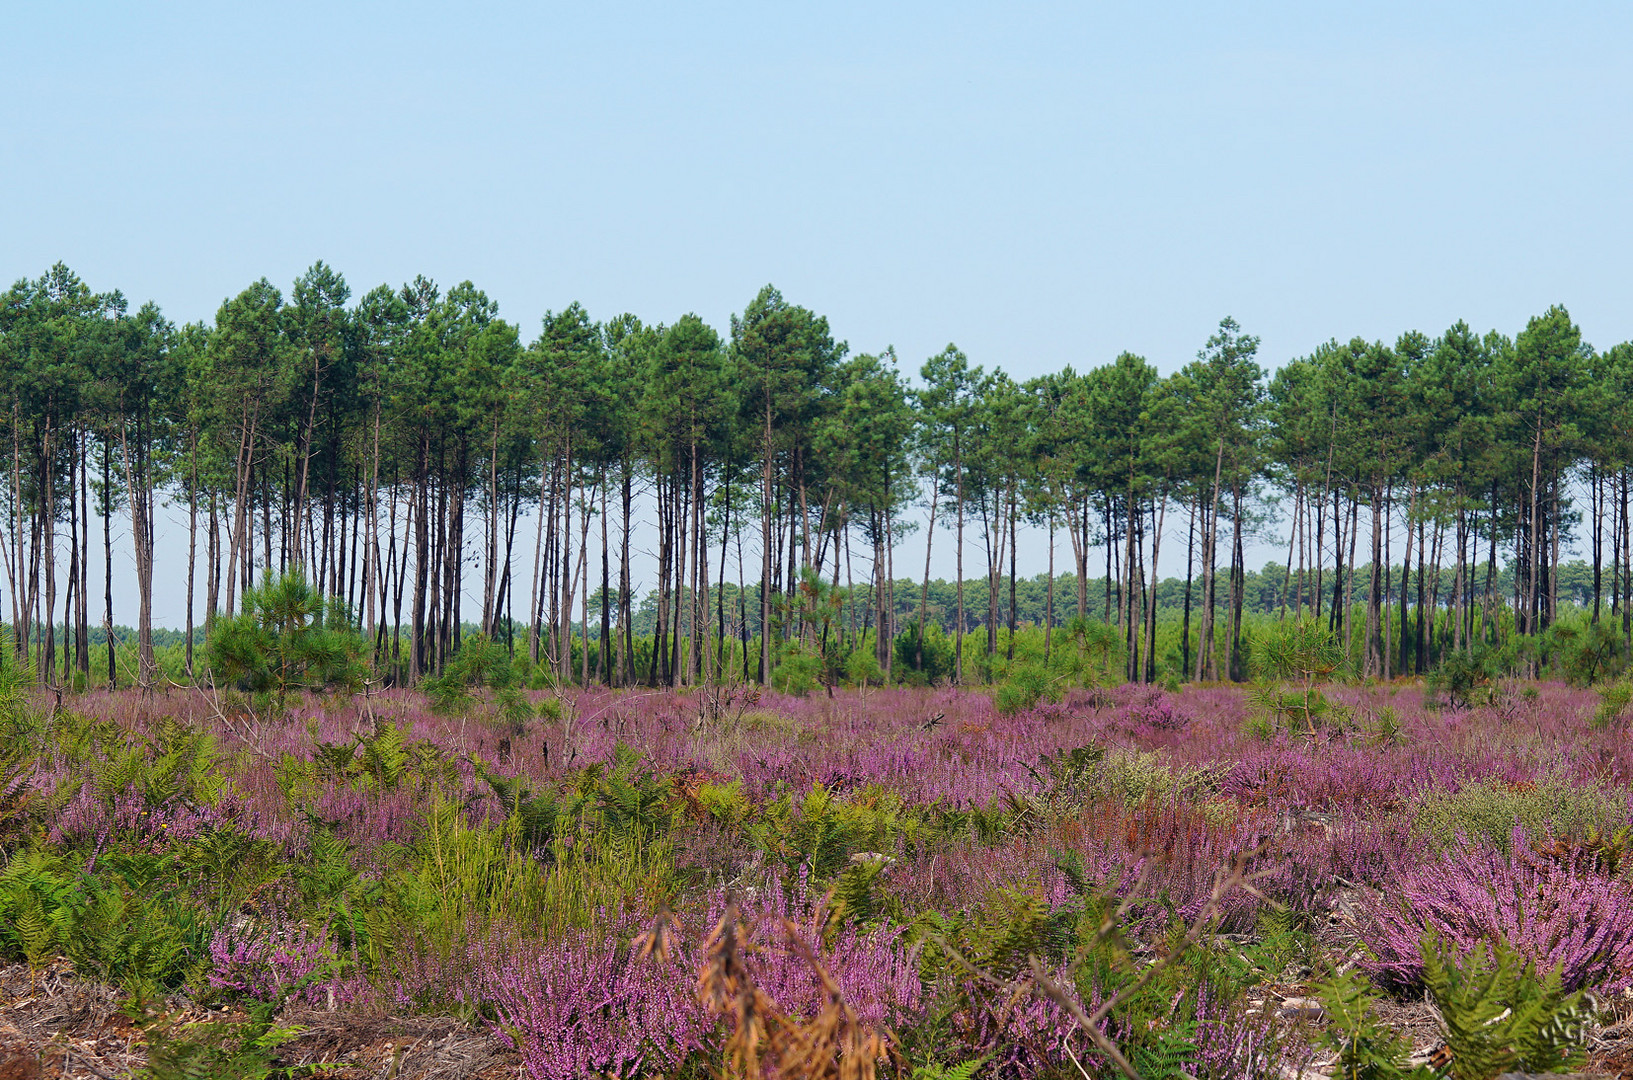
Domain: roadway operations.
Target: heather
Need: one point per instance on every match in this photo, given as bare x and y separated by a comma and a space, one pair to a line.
913, 870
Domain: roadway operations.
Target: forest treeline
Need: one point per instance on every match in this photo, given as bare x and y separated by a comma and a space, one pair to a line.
1264, 590
398, 448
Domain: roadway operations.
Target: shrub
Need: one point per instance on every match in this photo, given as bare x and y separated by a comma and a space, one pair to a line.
1365, 1047
1613, 702
276, 960
481, 677
1499, 1015
1026, 685
1488, 811
798, 674
1585, 655
823, 831
1463, 680
1551, 913
938, 655
207, 1049
286, 638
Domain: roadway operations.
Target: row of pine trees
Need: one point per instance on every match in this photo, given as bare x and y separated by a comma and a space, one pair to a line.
398, 449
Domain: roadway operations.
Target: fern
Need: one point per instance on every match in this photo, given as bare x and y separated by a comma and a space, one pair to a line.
383, 757
145, 942
1366, 1049
220, 1050
536, 816
1498, 1015
856, 897
631, 799
34, 890
963, 1070
1167, 1052
37, 933
999, 938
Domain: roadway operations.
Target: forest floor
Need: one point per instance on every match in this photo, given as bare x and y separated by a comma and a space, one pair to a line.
55, 1024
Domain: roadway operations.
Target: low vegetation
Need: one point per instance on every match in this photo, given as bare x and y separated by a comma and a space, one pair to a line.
1047, 878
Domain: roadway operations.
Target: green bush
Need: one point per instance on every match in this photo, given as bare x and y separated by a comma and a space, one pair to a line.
218, 1049
1585, 655
798, 673
481, 678
1612, 708
1500, 1015
1026, 686
938, 655
822, 831
286, 638
1488, 810
1463, 680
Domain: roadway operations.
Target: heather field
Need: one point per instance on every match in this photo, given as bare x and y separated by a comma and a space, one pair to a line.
1214, 882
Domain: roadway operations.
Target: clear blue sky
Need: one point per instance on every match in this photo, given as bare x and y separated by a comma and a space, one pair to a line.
1045, 184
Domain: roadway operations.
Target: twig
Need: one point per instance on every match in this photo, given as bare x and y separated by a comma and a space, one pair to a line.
86, 1064
213, 700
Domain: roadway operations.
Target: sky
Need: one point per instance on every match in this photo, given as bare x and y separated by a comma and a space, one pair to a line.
1045, 184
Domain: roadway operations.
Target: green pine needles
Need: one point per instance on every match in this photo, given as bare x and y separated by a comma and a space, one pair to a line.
286, 638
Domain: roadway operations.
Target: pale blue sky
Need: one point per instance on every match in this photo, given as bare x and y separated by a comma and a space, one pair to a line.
1045, 184
1042, 183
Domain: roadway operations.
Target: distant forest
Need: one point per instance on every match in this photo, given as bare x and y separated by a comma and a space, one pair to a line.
391, 448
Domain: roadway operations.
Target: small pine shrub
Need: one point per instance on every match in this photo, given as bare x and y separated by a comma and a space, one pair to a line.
1026, 686
1463, 680
798, 674
1613, 702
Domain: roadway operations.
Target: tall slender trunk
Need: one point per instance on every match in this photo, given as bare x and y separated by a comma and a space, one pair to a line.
1210, 525
107, 565
1292, 540
1531, 563
192, 543
82, 642
1408, 640
421, 500
1012, 516
1459, 589
371, 547
1596, 496
1626, 563
604, 661
1151, 607
1373, 630
924, 595
626, 660
766, 544
1049, 593
140, 495
1346, 580
14, 565
534, 595
1190, 561
958, 639
1238, 589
